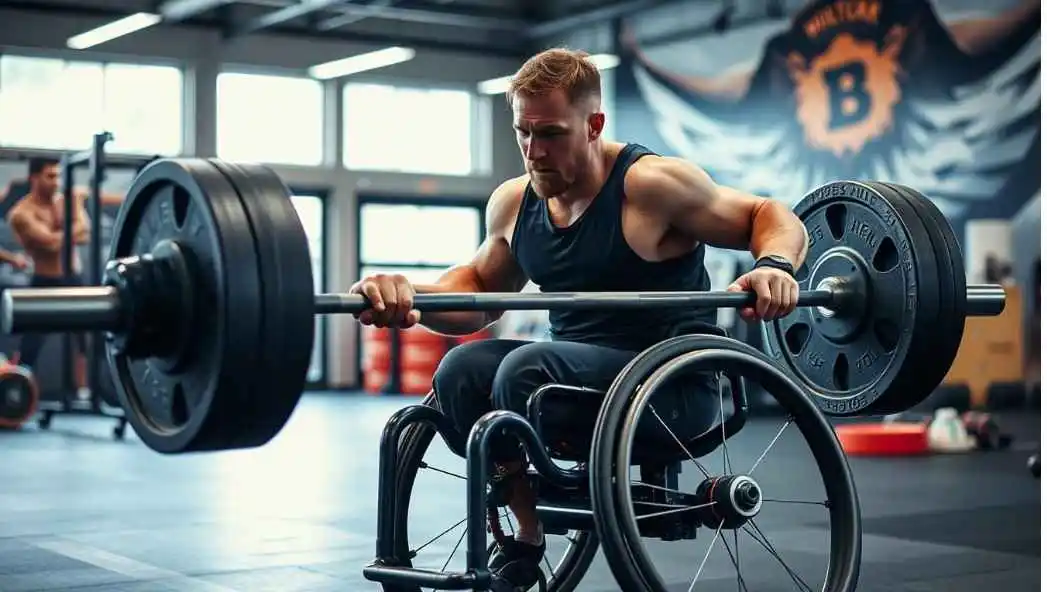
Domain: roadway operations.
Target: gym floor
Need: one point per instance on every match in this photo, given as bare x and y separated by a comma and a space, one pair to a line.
84, 512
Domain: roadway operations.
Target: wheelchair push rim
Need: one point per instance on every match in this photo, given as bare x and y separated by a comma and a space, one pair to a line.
612, 458
561, 576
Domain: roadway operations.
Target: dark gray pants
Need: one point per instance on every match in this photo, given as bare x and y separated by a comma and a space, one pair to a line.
32, 343
479, 376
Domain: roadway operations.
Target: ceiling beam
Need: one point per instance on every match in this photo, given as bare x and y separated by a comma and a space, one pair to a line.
502, 47
595, 16
328, 24
176, 10
508, 48
288, 13
433, 15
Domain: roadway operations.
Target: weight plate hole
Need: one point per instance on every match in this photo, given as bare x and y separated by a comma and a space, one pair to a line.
181, 206
796, 337
836, 219
841, 373
886, 334
179, 406
886, 257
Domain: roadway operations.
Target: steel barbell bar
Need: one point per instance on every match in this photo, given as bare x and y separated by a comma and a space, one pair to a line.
100, 308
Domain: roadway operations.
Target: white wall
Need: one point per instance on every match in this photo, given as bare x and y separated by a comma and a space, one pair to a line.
203, 52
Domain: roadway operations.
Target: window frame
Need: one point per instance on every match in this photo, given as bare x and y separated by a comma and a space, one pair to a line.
481, 125
104, 59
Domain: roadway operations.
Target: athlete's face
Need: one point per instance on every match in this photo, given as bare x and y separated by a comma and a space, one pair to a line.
554, 138
45, 183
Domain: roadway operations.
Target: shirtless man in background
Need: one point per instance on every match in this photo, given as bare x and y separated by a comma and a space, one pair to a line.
37, 221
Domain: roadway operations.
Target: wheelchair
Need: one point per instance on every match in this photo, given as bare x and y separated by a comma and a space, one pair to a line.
598, 503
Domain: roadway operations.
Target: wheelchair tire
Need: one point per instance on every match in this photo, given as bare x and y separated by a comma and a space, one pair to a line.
611, 454
414, 442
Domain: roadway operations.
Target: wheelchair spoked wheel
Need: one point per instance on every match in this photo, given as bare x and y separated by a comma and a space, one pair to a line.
563, 570
720, 503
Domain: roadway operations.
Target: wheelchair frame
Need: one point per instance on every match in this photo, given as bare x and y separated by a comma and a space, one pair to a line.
578, 499
563, 500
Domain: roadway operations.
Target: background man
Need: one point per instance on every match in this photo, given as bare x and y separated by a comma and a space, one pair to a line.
37, 221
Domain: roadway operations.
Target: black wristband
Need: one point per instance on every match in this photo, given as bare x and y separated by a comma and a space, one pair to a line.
777, 262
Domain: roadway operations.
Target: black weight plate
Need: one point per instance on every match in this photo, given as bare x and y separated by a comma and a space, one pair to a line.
849, 361
953, 279
918, 385
18, 396
193, 404
288, 296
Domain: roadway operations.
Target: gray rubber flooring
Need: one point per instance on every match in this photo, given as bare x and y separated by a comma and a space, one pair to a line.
80, 511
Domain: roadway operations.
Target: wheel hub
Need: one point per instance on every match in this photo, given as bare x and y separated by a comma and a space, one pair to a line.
728, 501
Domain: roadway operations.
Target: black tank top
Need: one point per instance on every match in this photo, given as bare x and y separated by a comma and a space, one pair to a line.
592, 255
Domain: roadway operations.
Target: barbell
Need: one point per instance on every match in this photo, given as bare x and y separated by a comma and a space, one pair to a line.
207, 303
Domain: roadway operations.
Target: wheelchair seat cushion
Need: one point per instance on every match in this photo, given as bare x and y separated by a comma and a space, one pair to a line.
565, 417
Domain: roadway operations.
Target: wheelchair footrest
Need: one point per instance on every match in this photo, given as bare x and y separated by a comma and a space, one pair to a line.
427, 578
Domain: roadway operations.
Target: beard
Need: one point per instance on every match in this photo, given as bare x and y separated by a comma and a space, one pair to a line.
547, 185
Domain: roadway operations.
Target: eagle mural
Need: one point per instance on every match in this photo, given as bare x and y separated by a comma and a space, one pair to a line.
861, 89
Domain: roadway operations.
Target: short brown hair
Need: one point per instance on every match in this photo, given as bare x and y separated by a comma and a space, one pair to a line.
37, 164
557, 69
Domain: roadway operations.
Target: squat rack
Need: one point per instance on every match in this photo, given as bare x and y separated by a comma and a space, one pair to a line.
97, 162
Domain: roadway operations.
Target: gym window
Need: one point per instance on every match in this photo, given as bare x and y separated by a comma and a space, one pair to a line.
414, 130
270, 119
56, 104
451, 234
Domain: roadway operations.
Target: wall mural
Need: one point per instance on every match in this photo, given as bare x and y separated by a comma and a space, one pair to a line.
940, 95
889, 90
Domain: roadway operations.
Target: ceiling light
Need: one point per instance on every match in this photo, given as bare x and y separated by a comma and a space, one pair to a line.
362, 62
494, 86
118, 28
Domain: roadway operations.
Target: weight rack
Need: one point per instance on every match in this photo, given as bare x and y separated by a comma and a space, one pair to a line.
96, 161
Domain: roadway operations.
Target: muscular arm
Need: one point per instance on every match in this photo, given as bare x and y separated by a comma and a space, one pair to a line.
34, 234
81, 221
694, 205
492, 268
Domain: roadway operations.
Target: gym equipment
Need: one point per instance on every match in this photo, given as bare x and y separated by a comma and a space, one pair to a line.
1033, 464
884, 439
603, 501
19, 396
208, 307
979, 425
891, 245
208, 256
62, 399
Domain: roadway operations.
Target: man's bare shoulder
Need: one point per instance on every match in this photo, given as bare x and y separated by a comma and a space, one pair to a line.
504, 204
21, 210
653, 170
655, 181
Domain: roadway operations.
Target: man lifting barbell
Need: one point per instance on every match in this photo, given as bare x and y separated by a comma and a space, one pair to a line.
589, 215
